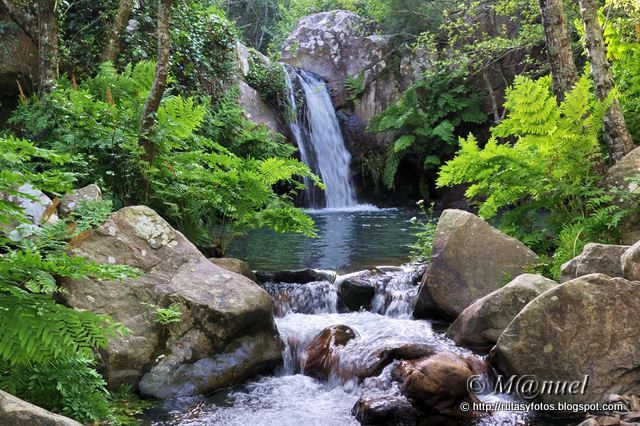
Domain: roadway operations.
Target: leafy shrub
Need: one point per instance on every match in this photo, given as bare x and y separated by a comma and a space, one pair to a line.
268, 79
427, 119
425, 232
166, 316
46, 349
538, 170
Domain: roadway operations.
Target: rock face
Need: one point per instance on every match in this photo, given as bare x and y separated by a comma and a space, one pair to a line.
320, 359
337, 45
480, 325
470, 260
226, 332
71, 201
16, 412
619, 177
587, 326
355, 291
594, 259
630, 261
234, 265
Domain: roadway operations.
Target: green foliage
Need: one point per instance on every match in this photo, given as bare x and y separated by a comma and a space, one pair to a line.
425, 233
268, 78
538, 171
213, 173
427, 118
126, 405
166, 316
46, 349
354, 85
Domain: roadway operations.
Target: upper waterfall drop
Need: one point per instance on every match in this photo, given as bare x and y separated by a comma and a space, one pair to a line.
317, 133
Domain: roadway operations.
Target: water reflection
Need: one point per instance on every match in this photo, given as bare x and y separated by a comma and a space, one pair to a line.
348, 241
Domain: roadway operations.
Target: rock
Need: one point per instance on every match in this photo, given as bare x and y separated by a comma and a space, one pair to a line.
479, 326
470, 260
385, 410
302, 276
18, 61
70, 201
38, 208
438, 382
226, 332
355, 291
16, 412
620, 177
630, 261
321, 360
234, 265
586, 326
594, 259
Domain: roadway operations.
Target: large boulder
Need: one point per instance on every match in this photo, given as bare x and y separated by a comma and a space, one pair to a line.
594, 259
630, 261
588, 326
470, 259
480, 325
623, 176
320, 357
226, 332
356, 291
234, 265
16, 412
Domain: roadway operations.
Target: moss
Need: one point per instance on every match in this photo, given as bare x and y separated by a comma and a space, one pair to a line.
268, 79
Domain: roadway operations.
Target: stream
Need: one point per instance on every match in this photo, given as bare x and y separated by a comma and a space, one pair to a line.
303, 310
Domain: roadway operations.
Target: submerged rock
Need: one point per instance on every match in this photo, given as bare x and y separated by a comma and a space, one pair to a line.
479, 326
586, 326
16, 412
72, 200
594, 259
234, 265
226, 332
321, 359
630, 261
470, 260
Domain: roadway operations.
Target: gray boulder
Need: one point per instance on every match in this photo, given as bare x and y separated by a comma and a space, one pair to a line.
71, 201
594, 259
479, 326
621, 177
630, 261
16, 412
588, 326
356, 291
226, 332
470, 260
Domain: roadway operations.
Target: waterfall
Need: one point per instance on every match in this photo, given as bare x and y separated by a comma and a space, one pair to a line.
317, 134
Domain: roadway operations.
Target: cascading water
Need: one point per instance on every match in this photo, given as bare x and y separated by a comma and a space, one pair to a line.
317, 133
291, 398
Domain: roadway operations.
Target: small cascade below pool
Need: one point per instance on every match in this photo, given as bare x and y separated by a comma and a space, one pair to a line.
316, 131
363, 367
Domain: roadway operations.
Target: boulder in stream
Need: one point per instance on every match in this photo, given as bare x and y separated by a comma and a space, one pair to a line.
356, 291
470, 260
479, 326
300, 276
385, 410
594, 259
321, 359
588, 326
226, 332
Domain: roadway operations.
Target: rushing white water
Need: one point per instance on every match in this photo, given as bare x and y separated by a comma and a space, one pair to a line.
320, 141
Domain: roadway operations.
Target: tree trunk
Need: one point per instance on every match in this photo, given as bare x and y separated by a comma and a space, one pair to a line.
563, 68
114, 33
159, 79
48, 52
616, 135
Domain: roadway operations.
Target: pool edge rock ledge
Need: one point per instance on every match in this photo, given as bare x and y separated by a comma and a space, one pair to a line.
226, 333
470, 259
